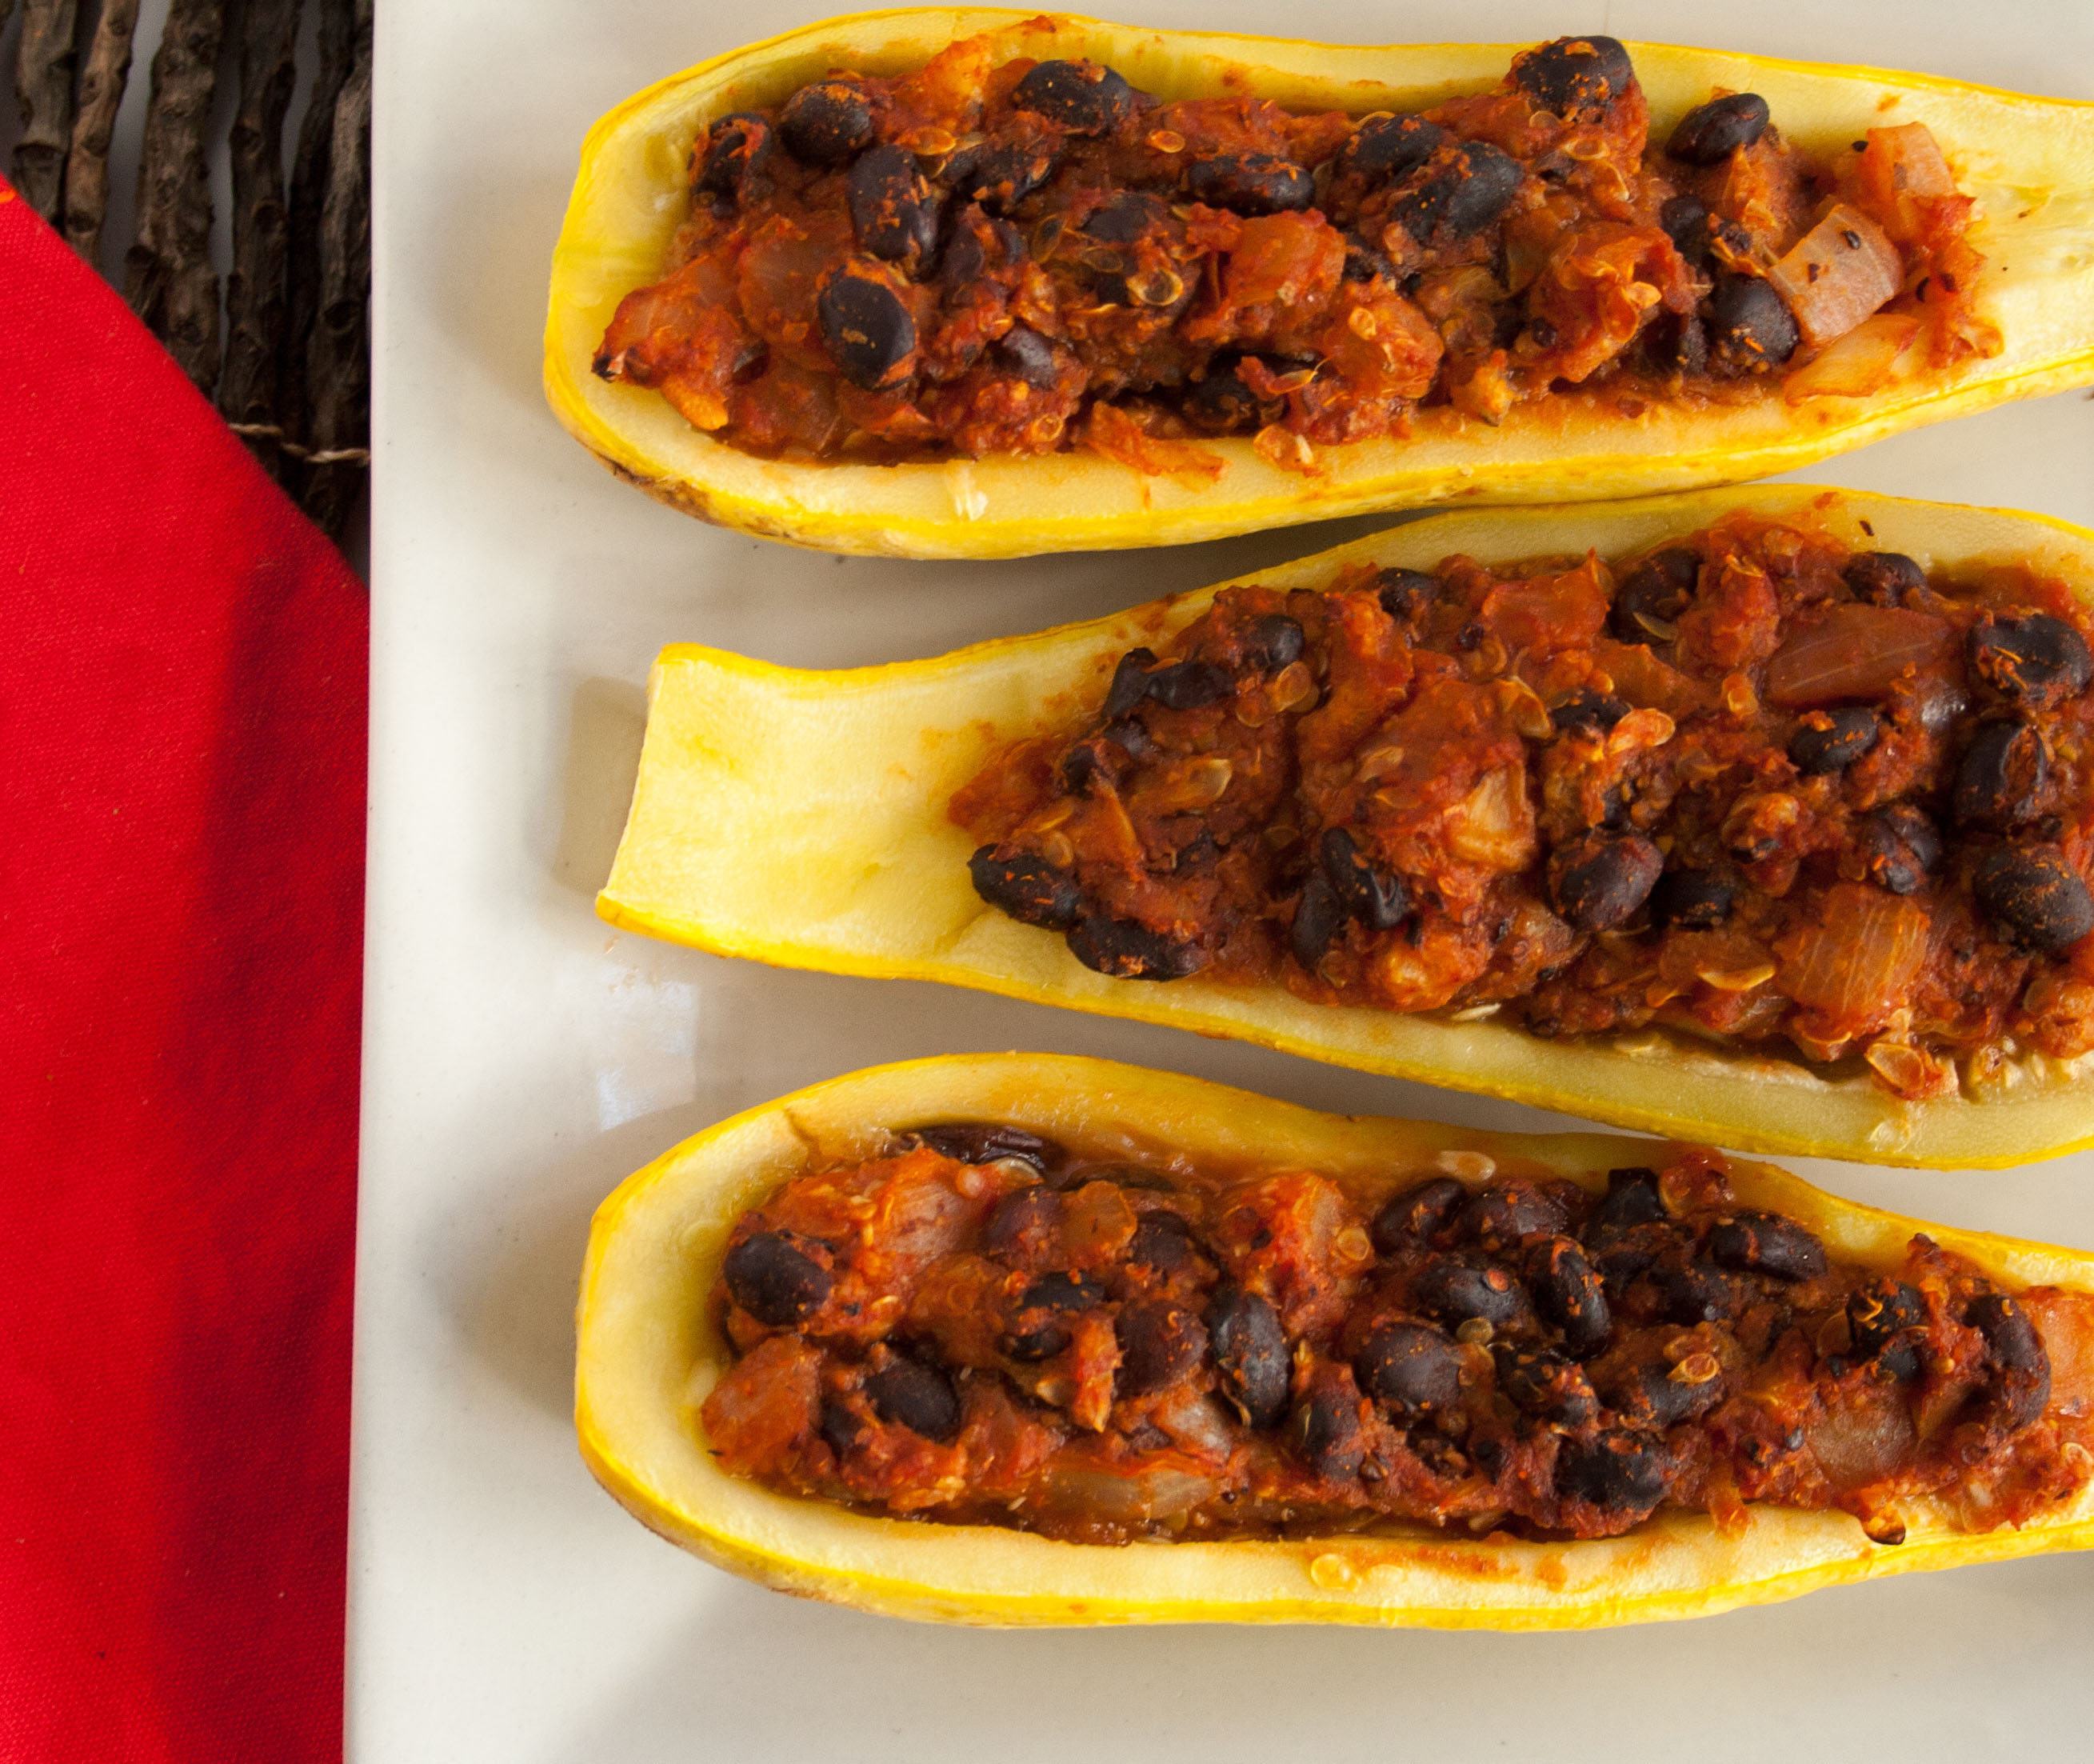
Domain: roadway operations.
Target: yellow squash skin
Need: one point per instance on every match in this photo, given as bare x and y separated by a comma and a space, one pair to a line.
2030, 162
799, 817
648, 1354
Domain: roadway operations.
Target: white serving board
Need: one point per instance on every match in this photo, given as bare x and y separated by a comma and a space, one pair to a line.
521, 1058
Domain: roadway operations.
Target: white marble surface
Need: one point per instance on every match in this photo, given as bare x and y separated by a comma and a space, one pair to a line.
521, 1058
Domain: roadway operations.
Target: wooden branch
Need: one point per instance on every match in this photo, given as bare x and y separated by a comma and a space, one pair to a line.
101, 85
167, 276
254, 309
308, 180
338, 357
43, 98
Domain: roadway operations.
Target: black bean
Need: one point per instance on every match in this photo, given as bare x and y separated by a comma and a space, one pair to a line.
1273, 642
892, 209
1219, 401
1625, 1473
1187, 685
1160, 1343
841, 1430
1251, 1355
1411, 1367
1251, 184
1652, 596
1884, 578
1127, 951
1078, 96
1766, 1243
1384, 146
1025, 1222
1160, 1241
1497, 1218
911, 1394
1028, 355
1685, 220
984, 1142
1083, 764
1407, 596
1599, 880
1574, 73
1569, 1293
1693, 900
1001, 175
1324, 1430
1469, 192
2034, 897
1128, 734
2016, 1351
826, 122
1586, 709
1058, 1294
1026, 888
1884, 1319
867, 330
1363, 263
1319, 915
1418, 1215
1675, 343
1126, 217
2000, 777
1694, 1292
2035, 659
774, 1280
735, 149
1898, 847
1130, 683
1650, 1395
1750, 327
1376, 897
1827, 741
1713, 132
1545, 1384
1455, 1288
1633, 1197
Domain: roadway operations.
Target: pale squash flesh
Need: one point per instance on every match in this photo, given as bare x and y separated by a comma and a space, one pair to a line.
800, 818
648, 1354
2030, 162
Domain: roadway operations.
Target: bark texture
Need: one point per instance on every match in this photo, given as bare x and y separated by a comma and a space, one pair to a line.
43, 98
102, 84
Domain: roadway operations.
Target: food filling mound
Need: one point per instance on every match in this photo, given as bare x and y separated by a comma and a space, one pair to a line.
1753, 785
981, 1327
1016, 257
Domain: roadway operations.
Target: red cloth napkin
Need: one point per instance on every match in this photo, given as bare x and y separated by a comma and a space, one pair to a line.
182, 671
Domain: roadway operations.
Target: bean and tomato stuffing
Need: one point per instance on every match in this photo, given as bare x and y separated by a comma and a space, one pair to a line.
979, 1326
1007, 255
1754, 785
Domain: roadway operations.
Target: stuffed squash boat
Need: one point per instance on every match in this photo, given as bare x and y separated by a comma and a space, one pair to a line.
947, 283
1015, 1339
1758, 816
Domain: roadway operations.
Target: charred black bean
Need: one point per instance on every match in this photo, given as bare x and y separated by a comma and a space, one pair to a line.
1063, 1291
1275, 641
911, 1394
1080, 96
1656, 1395
1586, 709
1546, 1385
2017, 1352
1652, 596
1455, 1288
1898, 847
2034, 896
1694, 1292
867, 330
828, 121
1028, 355
1693, 900
1376, 897
1885, 1318
1569, 1293
1407, 596
1599, 880
1884, 578
1750, 327
2035, 659
1250, 1354
1126, 217
774, 1280
1464, 197
1675, 343
1319, 915
1363, 263
736, 148
2000, 777
1083, 763
1025, 1223
1497, 1218
1026, 888
1127, 733
1827, 741
1059, 1294
1160, 1242
1633, 1197
892, 209
1711, 132
1251, 184
1766, 1243
1574, 73
1411, 1367
1130, 683
1384, 146
983, 1142
1219, 402
841, 1430
1324, 1430
1127, 951
1621, 1472
1160, 1343
1685, 220
1001, 175
1418, 1215
1189, 685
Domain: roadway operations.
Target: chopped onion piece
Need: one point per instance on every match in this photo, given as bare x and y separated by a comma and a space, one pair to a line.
1854, 965
1838, 273
1859, 652
1866, 360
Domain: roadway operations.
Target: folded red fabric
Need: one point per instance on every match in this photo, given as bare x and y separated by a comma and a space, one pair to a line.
182, 681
